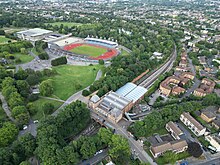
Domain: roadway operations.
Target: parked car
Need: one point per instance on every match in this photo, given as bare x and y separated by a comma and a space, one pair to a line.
25, 127
36, 121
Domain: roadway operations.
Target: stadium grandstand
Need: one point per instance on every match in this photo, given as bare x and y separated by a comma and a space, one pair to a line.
33, 35
101, 42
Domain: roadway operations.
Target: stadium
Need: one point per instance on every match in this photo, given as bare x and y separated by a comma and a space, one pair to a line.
88, 49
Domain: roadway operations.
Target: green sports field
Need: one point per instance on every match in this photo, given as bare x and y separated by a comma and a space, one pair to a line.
89, 50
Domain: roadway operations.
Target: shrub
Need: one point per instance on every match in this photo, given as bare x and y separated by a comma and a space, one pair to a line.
59, 61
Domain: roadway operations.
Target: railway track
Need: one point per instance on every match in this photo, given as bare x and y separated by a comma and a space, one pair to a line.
163, 69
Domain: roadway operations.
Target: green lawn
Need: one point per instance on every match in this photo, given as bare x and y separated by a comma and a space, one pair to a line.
24, 58
4, 40
71, 79
38, 106
69, 24
89, 50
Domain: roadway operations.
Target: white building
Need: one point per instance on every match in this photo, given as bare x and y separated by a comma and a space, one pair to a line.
33, 35
158, 55
214, 141
192, 124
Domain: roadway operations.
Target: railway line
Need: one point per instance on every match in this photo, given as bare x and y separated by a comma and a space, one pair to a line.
163, 69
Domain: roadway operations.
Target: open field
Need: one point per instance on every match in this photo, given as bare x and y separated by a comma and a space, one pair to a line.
25, 58
89, 50
38, 106
4, 40
69, 24
71, 79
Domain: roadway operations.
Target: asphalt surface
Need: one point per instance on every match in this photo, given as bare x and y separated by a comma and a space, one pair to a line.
6, 107
135, 145
210, 162
96, 159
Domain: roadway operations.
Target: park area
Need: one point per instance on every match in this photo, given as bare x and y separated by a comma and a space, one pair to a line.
4, 40
38, 105
71, 79
22, 58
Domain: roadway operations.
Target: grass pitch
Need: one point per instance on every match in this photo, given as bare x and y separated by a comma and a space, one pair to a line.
71, 79
89, 50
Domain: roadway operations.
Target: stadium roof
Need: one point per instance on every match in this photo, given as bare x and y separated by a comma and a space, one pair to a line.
131, 91
100, 40
35, 32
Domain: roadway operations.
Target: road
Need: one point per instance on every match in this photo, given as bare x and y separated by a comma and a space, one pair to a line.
135, 145
124, 48
32, 127
163, 69
97, 158
196, 81
6, 107
210, 162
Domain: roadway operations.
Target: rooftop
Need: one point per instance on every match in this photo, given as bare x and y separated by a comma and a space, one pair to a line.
131, 91
35, 32
175, 128
193, 121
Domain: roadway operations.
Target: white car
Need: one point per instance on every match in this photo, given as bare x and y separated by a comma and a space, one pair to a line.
25, 127
36, 121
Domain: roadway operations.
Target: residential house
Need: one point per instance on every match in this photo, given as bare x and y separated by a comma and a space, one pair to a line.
208, 116
214, 140
216, 124
174, 130
176, 146
192, 124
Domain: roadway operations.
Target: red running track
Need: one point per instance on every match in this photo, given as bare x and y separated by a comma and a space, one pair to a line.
111, 52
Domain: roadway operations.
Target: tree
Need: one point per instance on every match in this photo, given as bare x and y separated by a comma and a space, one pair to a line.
21, 74
105, 135
85, 93
18, 110
210, 99
88, 148
23, 50
2, 32
170, 157
23, 88
28, 143
59, 61
47, 107
46, 88
8, 133
33, 79
194, 149
101, 62
15, 99
119, 149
